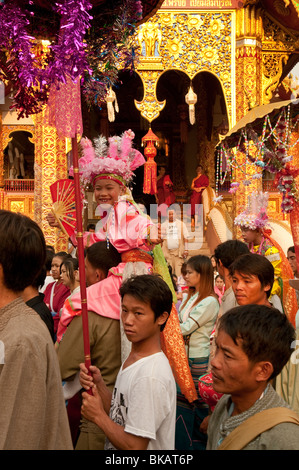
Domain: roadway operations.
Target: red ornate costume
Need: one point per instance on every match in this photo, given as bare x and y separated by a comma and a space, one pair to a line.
165, 191
201, 181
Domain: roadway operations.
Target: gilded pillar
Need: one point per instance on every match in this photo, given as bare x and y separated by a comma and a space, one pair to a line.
294, 142
50, 165
248, 92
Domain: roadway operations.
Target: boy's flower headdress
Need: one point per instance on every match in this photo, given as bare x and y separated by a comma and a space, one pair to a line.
255, 215
114, 159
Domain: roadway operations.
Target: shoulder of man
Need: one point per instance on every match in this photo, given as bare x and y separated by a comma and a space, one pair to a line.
283, 436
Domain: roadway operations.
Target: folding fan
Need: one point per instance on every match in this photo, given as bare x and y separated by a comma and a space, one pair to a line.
64, 205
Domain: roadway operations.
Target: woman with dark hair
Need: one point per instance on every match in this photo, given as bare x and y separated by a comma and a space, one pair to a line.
197, 317
56, 292
69, 272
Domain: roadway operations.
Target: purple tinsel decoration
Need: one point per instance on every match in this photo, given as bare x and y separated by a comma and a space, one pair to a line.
15, 40
70, 52
109, 49
97, 61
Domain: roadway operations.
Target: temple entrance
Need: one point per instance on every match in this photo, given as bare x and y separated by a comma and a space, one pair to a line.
126, 116
19, 162
182, 145
189, 134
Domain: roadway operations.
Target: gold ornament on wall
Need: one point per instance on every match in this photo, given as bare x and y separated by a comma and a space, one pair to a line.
191, 42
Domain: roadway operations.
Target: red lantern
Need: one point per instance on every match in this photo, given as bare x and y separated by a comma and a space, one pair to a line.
150, 166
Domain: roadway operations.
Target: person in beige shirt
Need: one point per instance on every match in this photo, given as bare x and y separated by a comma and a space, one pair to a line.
33, 414
253, 342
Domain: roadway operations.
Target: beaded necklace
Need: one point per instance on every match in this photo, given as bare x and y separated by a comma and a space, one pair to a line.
260, 247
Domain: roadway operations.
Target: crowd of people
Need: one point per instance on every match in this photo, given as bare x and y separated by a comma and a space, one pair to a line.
195, 357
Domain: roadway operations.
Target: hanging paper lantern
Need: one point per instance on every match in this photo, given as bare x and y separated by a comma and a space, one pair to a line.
110, 99
191, 100
150, 166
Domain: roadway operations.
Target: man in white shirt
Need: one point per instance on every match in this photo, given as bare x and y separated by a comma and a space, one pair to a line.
140, 413
175, 241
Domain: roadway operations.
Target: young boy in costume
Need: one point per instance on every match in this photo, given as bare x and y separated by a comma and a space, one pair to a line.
254, 226
140, 413
108, 166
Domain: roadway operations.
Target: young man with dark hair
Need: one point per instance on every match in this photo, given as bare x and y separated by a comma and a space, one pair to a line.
253, 344
142, 407
33, 414
98, 261
225, 254
252, 278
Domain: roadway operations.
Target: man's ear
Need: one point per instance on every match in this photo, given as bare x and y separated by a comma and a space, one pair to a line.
264, 370
163, 318
267, 287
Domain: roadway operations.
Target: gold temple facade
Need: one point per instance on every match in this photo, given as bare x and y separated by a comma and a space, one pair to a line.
244, 51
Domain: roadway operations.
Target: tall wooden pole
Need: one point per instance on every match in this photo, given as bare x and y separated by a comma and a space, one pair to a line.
81, 254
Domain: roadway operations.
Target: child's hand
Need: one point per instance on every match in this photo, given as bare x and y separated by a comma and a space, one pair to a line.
52, 220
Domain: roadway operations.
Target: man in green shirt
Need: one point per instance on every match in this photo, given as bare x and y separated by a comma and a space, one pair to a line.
253, 343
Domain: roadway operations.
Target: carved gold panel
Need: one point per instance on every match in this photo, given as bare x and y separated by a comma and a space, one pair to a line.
273, 64
277, 44
192, 42
20, 203
8, 130
149, 107
6, 137
50, 165
17, 206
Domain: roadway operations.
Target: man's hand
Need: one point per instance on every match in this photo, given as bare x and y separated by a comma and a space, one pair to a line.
93, 379
88, 380
92, 405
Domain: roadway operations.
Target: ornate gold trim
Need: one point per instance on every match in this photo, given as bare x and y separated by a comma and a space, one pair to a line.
7, 130
191, 41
